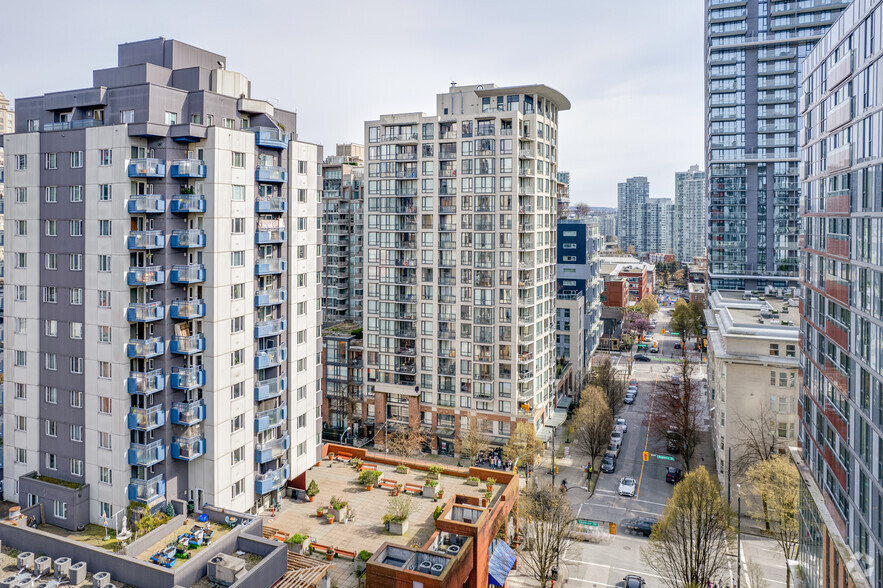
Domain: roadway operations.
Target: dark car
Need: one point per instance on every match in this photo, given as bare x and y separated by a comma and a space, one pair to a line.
633, 581
629, 398
641, 357
677, 345
673, 475
608, 465
642, 526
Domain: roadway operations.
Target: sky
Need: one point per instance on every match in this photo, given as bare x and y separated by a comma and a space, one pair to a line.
632, 69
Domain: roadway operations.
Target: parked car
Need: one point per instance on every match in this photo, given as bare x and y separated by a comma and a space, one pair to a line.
633, 382
629, 398
632, 390
614, 449
673, 475
621, 423
628, 487
654, 350
616, 437
608, 464
633, 581
641, 357
642, 526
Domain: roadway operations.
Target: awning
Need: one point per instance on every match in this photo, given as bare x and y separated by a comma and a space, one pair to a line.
564, 402
500, 564
544, 434
445, 433
556, 417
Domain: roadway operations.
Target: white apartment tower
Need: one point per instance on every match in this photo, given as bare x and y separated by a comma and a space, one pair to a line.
459, 314
690, 213
164, 325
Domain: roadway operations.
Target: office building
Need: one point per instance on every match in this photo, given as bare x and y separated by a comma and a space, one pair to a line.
657, 219
631, 196
459, 315
841, 402
753, 51
688, 228
165, 338
752, 376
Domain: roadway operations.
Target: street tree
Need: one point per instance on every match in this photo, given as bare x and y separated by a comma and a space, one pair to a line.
548, 530
523, 445
681, 411
406, 441
607, 377
773, 499
688, 546
593, 423
474, 439
686, 321
757, 442
633, 326
647, 306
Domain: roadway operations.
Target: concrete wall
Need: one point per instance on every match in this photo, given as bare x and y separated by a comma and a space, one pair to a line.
138, 545
77, 500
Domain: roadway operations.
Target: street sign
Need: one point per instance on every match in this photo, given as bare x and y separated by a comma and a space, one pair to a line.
665, 457
586, 523
646, 456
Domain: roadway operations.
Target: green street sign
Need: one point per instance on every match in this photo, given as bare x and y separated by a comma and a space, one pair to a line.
586, 523
666, 457
673, 333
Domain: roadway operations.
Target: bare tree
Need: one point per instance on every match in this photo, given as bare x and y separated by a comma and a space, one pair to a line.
548, 532
680, 402
474, 439
593, 423
405, 441
756, 575
688, 546
757, 442
606, 377
523, 445
582, 210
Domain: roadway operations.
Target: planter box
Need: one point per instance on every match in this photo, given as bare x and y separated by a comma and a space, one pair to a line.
432, 476
429, 492
302, 548
468, 483
340, 515
398, 528
402, 469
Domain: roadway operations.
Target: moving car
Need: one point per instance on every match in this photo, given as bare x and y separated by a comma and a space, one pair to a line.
608, 464
654, 349
628, 487
642, 526
641, 357
673, 475
622, 423
677, 345
633, 581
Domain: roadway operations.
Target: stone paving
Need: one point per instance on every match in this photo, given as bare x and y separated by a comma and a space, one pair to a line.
367, 531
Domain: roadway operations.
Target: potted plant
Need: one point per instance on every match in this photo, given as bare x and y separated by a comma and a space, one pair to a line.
487, 498
312, 490
490, 483
338, 508
329, 555
398, 489
397, 512
440, 493
298, 543
435, 472
472, 481
330, 518
368, 478
320, 512
356, 463
361, 560
429, 488
402, 469
330, 456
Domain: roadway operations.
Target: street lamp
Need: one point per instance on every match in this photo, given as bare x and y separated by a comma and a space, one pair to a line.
739, 539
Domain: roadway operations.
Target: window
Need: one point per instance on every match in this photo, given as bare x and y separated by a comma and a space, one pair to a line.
239, 193
21, 423
301, 251
51, 193
301, 195
50, 361
77, 433
171, 118
104, 298
50, 294
774, 349
209, 120
301, 365
105, 157
229, 123
75, 262
104, 333
301, 167
236, 423
301, 308
76, 193
301, 280
104, 369
301, 448
238, 159
104, 441
51, 261
236, 357
104, 192
237, 324
76, 159
238, 485
21, 293
237, 226
104, 475
21, 325
105, 404
76, 467
568, 245
21, 456
50, 395
21, 260
302, 421
236, 291
33, 125
50, 328
21, 228
76, 330
76, 296
104, 228
21, 358
301, 336
21, 162
51, 461
60, 508
51, 429
52, 161
76, 365
237, 455
76, 398
237, 258
104, 263
301, 223
76, 228
21, 195
236, 391
127, 116
790, 351
301, 392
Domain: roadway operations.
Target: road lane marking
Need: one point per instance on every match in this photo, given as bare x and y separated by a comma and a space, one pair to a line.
647, 438
588, 563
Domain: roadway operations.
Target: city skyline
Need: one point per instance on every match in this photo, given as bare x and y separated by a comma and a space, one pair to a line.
663, 63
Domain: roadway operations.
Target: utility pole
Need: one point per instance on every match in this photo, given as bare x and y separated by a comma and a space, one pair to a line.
729, 468
739, 540
554, 430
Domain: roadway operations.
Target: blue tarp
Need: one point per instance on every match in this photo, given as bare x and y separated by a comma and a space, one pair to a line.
501, 561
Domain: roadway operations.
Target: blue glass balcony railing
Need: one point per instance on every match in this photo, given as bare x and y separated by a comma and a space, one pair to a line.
187, 345
188, 413
265, 267
147, 491
187, 168
145, 312
146, 204
269, 328
269, 137
146, 240
145, 382
187, 378
147, 168
146, 455
270, 174
270, 297
264, 483
270, 205
269, 419
145, 348
187, 274
270, 388
188, 448
187, 309
270, 357
271, 450
146, 276
270, 236
187, 203
187, 239
146, 419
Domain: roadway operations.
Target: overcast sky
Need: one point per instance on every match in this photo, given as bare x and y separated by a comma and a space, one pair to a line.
632, 69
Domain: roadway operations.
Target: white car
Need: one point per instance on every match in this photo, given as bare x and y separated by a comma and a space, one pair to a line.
621, 423
628, 487
616, 437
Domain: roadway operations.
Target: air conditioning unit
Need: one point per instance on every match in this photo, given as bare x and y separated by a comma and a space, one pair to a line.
437, 569
425, 567
8, 582
77, 573
62, 566
225, 569
101, 580
453, 549
25, 560
42, 566
24, 583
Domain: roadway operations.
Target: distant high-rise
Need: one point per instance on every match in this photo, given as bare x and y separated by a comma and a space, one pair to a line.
657, 217
688, 231
630, 199
753, 50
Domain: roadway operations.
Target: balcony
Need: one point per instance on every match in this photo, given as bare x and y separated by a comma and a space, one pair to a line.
146, 419
147, 168
146, 204
188, 448
271, 450
188, 345
145, 382
187, 203
187, 378
147, 491
269, 328
187, 168
269, 137
145, 348
146, 455
265, 267
187, 309
270, 236
188, 414
270, 357
145, 312
270, 297
270, 419
139, 240
187, 239
265, 483
270, 388
187, 274
270, 174
270, 205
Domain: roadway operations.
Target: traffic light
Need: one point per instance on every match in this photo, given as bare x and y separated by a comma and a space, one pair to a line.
646, 456
556, 470
613, 528
663, 330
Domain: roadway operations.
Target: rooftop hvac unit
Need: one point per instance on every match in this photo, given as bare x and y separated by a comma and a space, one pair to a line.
425, 567
77, 573
101, 580
8, 581
453, 549
42, 566
62, 567
24, 583
437, 569
25, 560
225, 569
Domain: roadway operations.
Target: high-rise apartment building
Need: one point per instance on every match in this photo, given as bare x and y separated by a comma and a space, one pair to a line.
753, 51
459, 315
631, 196
563, 190
688, 229
657, 219
841, 438
166, 329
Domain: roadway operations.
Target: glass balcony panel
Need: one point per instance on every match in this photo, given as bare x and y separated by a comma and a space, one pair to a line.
270, 173
145, 348
187, 239
270, 205
269, 137
147, 168
187, 203
147, 312
270, 388
265, 267
146, 204
187, 274
188, 345
187, 378
270, 297
188, 448
269, 419
147, 491
146, 419
269, 328
187, 168
271, 480
270, 357
187, 309
277, 235
146, 276
188, 413
146, 240
145, 382
146, 455
271, 450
